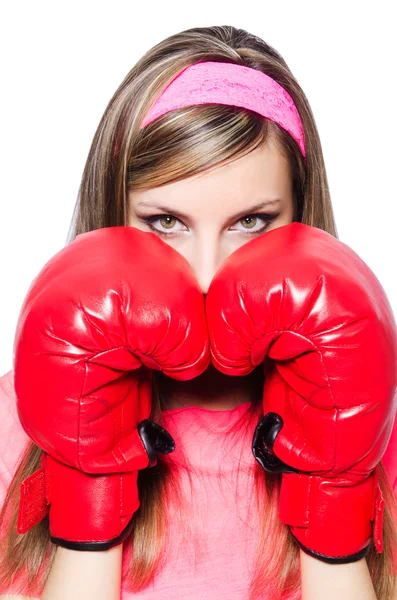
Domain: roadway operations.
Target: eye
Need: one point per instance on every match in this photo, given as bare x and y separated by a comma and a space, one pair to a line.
253, 224
166, 221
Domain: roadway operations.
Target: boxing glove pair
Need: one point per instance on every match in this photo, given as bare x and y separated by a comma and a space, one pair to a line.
118, 302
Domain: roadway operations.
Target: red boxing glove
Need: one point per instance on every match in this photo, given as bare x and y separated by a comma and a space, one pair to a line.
111, 301
305, 304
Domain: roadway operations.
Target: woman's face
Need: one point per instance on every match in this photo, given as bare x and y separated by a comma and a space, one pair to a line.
207, 216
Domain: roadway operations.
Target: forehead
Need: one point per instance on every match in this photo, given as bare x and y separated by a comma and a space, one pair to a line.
261, 174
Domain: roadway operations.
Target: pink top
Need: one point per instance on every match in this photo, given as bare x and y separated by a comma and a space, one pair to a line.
221, 529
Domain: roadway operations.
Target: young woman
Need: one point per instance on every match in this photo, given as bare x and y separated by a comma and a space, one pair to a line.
203, 393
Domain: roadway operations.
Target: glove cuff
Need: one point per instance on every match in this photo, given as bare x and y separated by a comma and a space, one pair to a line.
86, 511
334, 519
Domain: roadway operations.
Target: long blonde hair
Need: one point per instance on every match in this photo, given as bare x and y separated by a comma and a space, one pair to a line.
170, 149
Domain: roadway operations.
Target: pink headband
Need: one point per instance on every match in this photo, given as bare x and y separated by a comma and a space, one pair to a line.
233, 85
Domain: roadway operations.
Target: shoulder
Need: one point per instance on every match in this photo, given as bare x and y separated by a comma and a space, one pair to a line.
13, 438
389, 459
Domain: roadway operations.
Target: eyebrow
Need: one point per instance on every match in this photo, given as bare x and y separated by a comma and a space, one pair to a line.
242, 213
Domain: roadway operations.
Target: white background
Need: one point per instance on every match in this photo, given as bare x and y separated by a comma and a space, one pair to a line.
62, 62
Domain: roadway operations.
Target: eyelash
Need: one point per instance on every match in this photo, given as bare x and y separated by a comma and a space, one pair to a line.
265, 217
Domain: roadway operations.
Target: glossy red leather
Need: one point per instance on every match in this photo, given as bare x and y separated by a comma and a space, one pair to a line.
111, 301
306, 303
